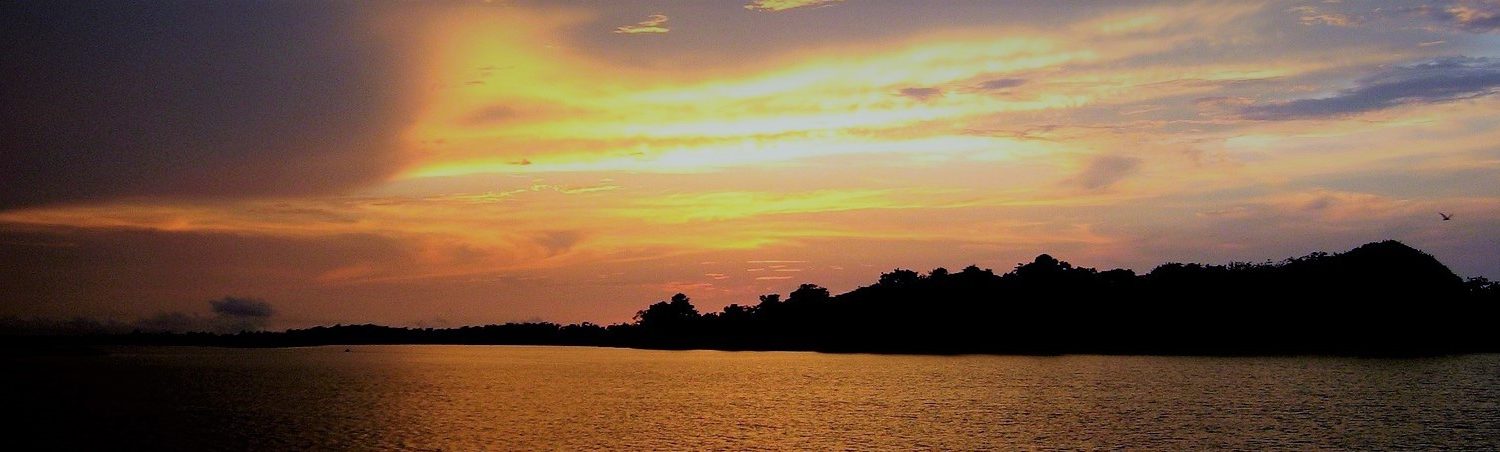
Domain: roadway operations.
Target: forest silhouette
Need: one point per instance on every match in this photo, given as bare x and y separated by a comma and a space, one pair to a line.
1379, 299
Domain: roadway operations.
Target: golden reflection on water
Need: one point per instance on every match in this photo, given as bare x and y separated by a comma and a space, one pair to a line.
528, 398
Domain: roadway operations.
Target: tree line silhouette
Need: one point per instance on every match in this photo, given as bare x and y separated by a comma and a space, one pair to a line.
1381, 298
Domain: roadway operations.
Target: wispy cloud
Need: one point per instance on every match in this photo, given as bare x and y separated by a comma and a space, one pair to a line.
1106, 170
730, 205
920, 94
1002, 83
783, 5
1481, 16
655, 23
1311, 15
1435, 81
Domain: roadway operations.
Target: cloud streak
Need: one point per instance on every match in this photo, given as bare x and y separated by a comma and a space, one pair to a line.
1435, 81
1002, 83
920, 94
1104, 171
1310, 15
655, 23
783, 5
1482, 16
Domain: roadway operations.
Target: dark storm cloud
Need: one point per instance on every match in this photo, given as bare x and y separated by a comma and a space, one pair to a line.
102, 100
1436, 81
235, 314
230, 315
241, 307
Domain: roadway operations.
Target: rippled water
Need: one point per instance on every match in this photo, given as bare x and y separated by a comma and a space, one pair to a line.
508, 398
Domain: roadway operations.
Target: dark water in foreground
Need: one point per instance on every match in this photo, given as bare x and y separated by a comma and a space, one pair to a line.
509, 398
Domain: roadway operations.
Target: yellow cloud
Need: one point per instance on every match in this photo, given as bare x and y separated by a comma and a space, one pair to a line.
731, 205
783, 5
804, 110
1167, 18
552, 112
655, 23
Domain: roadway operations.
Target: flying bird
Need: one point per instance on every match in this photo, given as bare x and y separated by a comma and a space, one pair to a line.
1446, 216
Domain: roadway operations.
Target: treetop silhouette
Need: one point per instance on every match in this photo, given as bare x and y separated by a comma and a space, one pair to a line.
1381, 298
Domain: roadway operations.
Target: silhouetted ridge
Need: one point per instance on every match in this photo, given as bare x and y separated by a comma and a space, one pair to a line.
1382, 298
1393, 267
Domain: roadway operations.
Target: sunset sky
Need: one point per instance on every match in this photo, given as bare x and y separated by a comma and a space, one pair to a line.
449, 163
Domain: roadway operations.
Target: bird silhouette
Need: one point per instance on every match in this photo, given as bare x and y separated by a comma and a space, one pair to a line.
1446, 216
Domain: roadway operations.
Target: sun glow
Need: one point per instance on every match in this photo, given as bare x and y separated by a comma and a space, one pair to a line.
532, 108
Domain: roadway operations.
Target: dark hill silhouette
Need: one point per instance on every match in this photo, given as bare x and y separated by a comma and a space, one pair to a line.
1382, 298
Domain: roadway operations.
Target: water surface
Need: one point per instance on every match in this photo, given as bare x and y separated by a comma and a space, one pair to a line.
510, 398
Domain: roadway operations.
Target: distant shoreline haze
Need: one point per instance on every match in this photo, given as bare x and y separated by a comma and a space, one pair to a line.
1382, 299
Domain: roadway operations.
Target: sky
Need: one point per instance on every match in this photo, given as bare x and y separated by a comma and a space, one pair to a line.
446, 163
